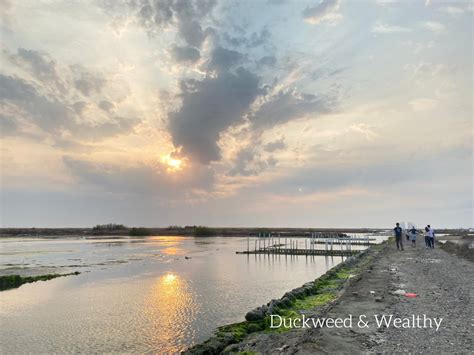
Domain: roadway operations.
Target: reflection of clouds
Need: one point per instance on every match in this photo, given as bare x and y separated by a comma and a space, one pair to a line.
170, 306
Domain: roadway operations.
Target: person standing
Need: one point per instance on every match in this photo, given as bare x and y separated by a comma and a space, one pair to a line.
427, 237
398, 236
413, 236
432, 237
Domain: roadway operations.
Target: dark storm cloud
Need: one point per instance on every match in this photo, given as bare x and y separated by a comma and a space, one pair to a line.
288, 105
185, 54
156, 15
252, 40
213, 105
223, 59
316, 13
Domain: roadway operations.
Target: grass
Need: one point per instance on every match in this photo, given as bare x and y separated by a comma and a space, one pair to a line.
13, 281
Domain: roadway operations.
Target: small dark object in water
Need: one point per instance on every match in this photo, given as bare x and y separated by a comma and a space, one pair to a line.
187, 257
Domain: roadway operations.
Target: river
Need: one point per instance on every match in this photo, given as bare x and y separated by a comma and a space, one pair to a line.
138, 294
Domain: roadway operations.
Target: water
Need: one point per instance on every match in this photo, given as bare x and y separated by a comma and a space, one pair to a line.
140, 294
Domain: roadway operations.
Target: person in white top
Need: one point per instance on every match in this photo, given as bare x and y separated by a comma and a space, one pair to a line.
432, 236
427, 237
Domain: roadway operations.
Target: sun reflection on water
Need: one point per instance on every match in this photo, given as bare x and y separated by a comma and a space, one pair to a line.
170, 307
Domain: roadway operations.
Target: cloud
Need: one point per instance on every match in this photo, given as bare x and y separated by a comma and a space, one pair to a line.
185, 54
106, 105
287, 105
53, 115
435, 27
326, 10
140, 178
253, 40
389, 29
423, 104
267, 61
248, 162
457, 10
275, 145
364, 129
224, 59
156, 15
39, 63
8, 125
87, 82
208, 108
6, 17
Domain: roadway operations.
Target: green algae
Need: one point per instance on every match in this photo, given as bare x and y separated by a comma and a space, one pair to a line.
13, 281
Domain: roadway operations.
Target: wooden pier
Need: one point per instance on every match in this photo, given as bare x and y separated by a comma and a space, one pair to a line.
276, 245
307, 252
352, 241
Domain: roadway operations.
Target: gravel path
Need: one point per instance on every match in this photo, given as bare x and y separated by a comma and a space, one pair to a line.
444, 284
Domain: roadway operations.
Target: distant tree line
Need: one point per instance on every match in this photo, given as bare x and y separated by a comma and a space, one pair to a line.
108, 227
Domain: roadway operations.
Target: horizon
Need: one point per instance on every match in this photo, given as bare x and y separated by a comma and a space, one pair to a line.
236, 113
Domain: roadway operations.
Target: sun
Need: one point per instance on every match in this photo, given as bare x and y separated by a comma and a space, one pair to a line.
173, 164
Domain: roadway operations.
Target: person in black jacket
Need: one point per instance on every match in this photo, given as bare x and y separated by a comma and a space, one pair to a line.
398, 236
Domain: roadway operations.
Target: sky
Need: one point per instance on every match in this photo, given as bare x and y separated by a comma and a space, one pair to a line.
236, 113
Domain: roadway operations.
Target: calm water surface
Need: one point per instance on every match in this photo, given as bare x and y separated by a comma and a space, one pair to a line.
141, 294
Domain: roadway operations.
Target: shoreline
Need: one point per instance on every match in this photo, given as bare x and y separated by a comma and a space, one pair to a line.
189, 232
314, 296
175, 231
371, 286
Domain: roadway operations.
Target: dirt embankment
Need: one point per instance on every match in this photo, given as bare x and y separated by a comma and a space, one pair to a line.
442, 284
462, 246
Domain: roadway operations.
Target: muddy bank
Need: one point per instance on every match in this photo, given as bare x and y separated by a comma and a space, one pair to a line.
463, 247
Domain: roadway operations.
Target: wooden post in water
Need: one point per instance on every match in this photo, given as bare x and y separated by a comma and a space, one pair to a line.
248, 241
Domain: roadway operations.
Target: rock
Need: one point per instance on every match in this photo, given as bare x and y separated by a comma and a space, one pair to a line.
286, 301
355, 293
280, 349
255, 314
378, 299
233, 348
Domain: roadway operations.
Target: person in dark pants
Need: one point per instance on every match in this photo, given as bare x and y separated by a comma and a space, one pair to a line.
398, 236
427, 238
413, 236
432, 236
